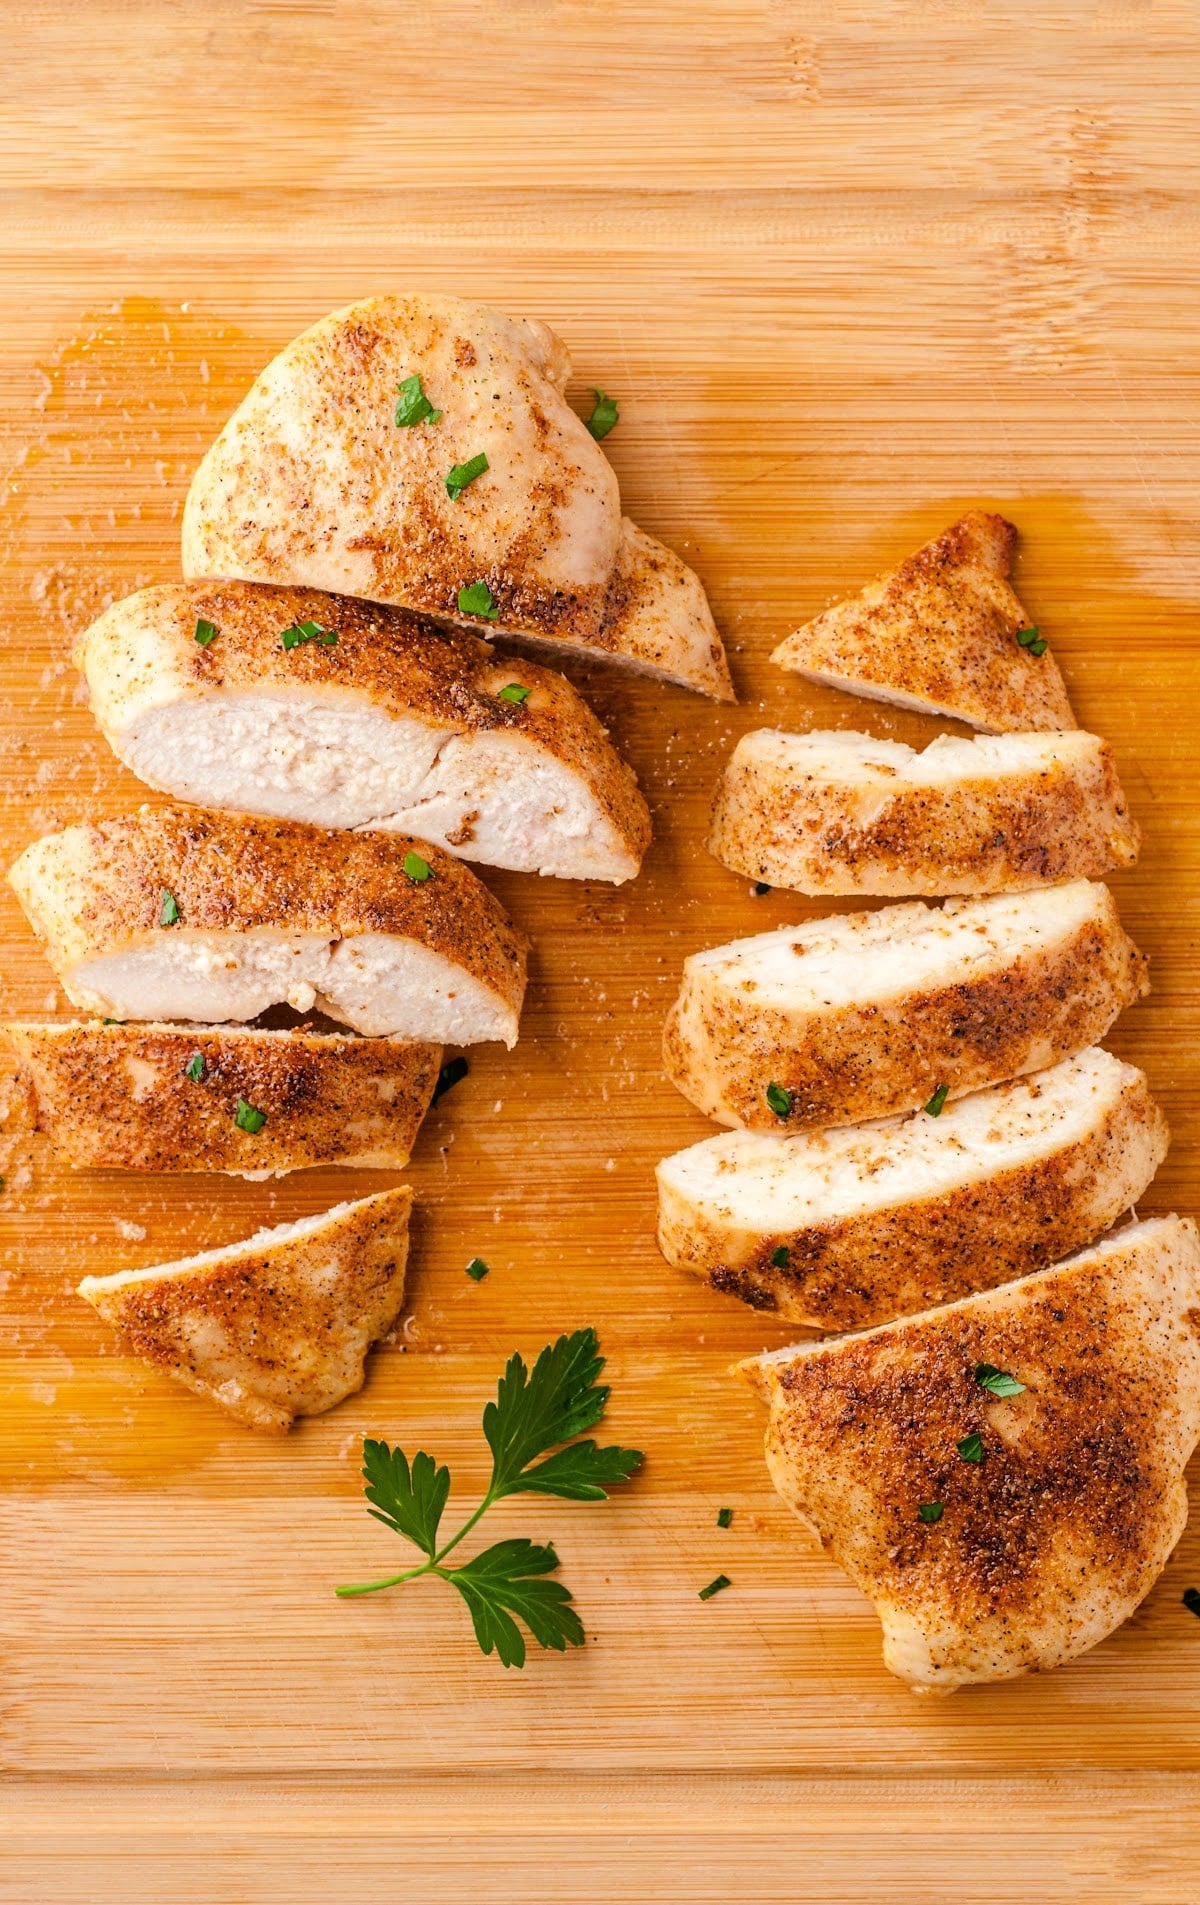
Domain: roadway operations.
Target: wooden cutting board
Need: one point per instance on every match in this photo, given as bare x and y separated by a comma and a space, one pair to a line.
849, 268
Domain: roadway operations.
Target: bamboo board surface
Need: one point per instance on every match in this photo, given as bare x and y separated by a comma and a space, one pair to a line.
849, 268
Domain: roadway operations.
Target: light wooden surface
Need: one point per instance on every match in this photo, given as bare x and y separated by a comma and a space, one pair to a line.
848, 268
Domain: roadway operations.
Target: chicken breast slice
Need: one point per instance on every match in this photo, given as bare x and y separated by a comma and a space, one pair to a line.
865, 1015
178, 914
842, 813
393, 723
844, 1228
939, 633
313, 482
1041, 1537
165, 1097
276, 1327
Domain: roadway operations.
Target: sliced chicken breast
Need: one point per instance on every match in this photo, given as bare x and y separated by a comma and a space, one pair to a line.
841, 813
276, 1327
178, 914
381, 719
1003, 1477
844, 1228
940, 633
410, 449
166, 1097
865, 1015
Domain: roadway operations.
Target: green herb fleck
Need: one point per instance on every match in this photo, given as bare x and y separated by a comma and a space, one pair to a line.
605, 415
779, 1100
463, 474
1032, 640
194, 1069
514, 693
971, 1447
417, 869
997, 1382
301, 632
532, 1414
715, 1587
937, 1103
246, 1118
112, 1021
450, 1075
414, 406
206, 632
168, 914
477, 599
724, 1517
781, 1256
1190, 1596
477, 1269
930, 1511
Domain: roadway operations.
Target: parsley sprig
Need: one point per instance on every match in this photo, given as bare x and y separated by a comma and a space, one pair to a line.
534, 1415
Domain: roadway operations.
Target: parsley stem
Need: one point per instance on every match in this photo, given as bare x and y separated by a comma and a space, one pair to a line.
393, 1580
466, 1528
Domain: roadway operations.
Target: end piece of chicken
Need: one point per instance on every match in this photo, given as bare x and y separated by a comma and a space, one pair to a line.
1042, 1545
864, 1015
939, 633
312, 482
841, 813
178, 914
165, 1097
840, 1229
396, 724
276, 1327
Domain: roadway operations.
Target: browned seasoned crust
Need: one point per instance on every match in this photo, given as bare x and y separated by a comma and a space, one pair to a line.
1066, 820
119, 1097
878, 1264
843, 1065
275, 1330
396, 660
1052, 1539
939, 632
236, 873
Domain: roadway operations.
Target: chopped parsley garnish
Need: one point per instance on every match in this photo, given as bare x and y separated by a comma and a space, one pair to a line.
937, 1103
779, 1100
168, 914
715, 1587
206, 632
1033, 640
514, 693
194, 1069
246, 1118
463, 474
112, 1021
971, 1447
781, 1256
417, 869
450, 1075
532, 1415
997, 1382
414, 406
724, 1517
606, 415
760, 887
1191, 1600
930, 1511
301, 632
477, 599
477, 1269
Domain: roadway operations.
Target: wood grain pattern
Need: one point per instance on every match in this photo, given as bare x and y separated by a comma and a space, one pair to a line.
850, 268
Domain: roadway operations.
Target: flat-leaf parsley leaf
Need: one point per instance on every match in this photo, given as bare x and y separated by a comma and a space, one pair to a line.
606, 414
997, 1382
534, 1414
414, 406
